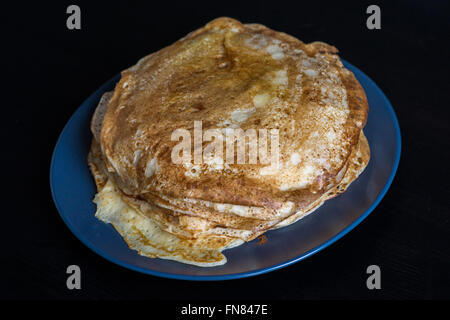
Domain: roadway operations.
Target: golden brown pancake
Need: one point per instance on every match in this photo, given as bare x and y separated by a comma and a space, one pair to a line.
190, 226
229, 75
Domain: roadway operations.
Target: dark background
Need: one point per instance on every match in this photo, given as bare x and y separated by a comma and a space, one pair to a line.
49, 70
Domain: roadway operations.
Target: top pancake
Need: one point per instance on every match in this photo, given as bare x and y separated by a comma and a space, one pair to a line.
228, 74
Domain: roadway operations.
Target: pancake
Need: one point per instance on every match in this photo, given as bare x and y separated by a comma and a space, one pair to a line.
158, 209
184, 224
228, 76
316, 103
144, 236
151, 240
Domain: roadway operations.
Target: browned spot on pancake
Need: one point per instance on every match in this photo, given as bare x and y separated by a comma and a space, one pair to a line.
262, 239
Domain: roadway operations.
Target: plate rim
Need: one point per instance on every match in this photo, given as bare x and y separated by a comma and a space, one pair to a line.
246, 274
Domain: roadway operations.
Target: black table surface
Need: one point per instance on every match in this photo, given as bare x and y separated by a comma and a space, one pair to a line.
50, 70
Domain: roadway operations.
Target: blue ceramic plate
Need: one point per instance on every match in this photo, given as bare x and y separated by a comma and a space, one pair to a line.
73, 190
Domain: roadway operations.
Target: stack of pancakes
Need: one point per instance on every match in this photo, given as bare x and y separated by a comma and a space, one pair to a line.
227, 75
